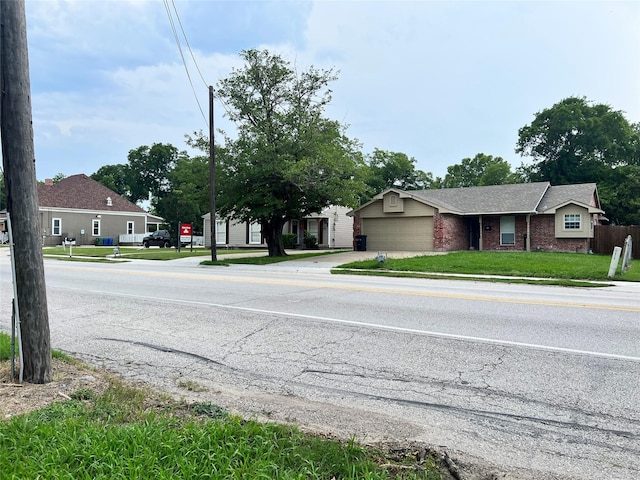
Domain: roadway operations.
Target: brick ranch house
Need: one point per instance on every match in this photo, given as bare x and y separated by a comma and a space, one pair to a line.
517, 217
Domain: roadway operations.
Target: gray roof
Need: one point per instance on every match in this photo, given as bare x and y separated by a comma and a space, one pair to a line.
559, 195
494, 199
522, 198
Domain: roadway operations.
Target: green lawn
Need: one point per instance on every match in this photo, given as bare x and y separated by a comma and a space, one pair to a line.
569, 266
153, 253
266, 260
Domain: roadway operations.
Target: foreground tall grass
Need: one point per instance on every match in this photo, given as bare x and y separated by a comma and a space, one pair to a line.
115, 436
575, 266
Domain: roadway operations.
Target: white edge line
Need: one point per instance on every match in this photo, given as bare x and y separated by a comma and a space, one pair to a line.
389, 328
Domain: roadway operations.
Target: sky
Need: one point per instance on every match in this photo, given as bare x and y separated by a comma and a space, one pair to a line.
437, 80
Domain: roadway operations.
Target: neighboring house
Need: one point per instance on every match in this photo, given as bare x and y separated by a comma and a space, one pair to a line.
528, 216
81, 208
332, 227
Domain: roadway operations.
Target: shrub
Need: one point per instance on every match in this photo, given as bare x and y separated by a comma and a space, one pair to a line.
289, 240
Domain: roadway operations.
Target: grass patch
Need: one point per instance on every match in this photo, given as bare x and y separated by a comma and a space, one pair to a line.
444, 276
566, 266
5, 349
267, 260
5, 346
118, 435
101, 254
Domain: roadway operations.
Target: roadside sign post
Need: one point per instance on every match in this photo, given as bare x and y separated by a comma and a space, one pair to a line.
186, 229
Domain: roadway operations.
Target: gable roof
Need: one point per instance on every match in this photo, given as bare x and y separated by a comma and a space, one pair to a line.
494, 199
83, 193
518, 198
584, 194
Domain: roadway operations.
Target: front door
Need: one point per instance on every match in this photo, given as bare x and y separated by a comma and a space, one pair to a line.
474, 233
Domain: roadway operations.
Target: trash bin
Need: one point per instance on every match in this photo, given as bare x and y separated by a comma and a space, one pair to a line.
361, 243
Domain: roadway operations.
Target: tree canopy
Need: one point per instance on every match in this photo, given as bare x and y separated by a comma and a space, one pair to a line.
578, 141
288, 160
387, 169
480, 170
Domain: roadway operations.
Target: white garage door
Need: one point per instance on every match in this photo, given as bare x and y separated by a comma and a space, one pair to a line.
398, 234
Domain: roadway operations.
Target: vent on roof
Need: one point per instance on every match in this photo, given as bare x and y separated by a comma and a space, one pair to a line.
109, 202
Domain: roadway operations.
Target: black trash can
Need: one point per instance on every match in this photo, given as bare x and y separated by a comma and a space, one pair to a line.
361, 243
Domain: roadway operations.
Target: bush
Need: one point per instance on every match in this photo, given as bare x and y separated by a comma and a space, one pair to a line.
310, 241
289, 240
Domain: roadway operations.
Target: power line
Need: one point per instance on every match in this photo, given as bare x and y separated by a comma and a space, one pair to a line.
188, 46
175, 36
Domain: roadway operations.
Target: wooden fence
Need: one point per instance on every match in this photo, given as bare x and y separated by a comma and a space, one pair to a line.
605, 237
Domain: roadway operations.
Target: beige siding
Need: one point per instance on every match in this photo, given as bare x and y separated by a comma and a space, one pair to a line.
411, 209
399, 233
586, 230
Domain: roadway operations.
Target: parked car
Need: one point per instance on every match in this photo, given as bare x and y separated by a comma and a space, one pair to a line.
159, 238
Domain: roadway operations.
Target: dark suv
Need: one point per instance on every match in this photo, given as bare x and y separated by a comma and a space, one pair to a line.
159, 238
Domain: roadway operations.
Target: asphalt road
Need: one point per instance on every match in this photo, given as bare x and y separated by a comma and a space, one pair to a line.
530, 381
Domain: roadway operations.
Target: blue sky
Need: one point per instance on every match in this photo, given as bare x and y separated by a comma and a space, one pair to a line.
439, 81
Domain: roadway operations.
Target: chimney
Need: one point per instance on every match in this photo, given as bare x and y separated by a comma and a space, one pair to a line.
48, 181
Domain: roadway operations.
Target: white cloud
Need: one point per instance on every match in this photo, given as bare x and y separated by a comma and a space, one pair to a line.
439, 81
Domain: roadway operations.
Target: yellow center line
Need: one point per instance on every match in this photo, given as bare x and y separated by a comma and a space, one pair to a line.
333, 286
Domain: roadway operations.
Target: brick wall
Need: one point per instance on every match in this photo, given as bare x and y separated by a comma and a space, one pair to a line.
543, 237
357, 228
450, 233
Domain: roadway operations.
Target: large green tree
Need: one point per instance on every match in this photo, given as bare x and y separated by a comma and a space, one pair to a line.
149, 168
187, 197
387, 169
578, 141
288, 160
480, 170
116, 177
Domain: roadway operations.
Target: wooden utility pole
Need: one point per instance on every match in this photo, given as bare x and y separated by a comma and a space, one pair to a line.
22, 195
212, 181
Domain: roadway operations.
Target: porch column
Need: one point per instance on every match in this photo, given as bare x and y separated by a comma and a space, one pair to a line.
481, 233
528, 232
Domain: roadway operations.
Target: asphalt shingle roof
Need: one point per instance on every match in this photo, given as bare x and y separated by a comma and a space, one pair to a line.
83, 193
494, 199
536, 197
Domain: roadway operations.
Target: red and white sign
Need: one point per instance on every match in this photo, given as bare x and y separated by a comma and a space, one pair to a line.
185, 229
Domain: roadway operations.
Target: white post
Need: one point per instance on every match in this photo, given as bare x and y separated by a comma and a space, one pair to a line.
615, 258
15, 296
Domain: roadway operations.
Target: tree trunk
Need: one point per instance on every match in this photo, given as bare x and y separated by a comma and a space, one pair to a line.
22, 194
273, 237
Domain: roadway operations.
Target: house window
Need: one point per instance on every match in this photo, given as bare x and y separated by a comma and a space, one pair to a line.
56, 227
393, 200
221, 233
572, 221
255, 233
507, 230
95, 228
130, 228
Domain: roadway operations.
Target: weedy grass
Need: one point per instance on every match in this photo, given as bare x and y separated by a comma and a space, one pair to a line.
5, 349
573, 266
117, 435
5, 346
